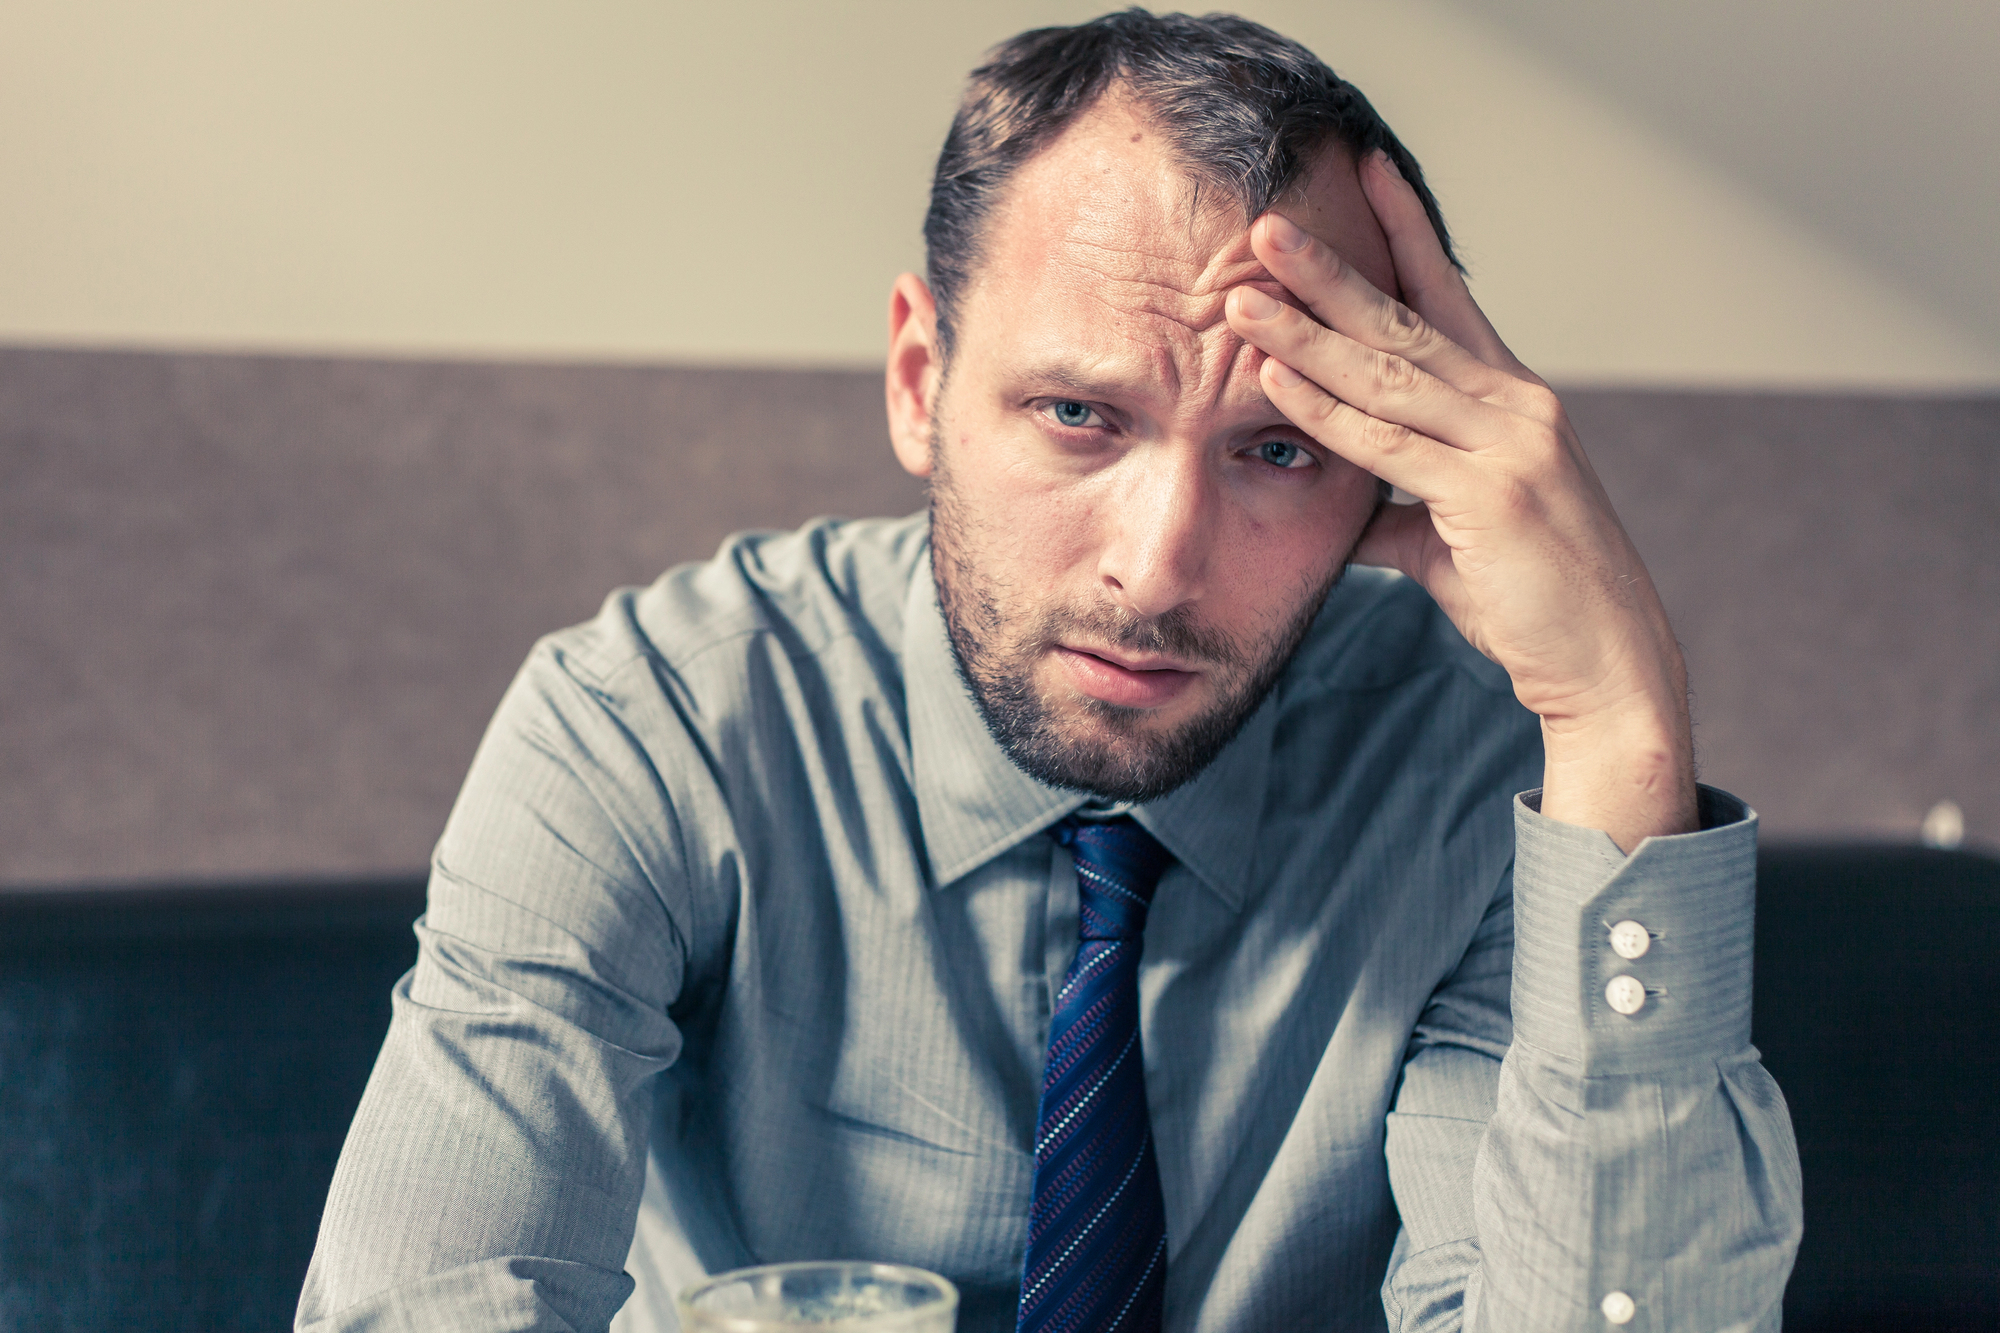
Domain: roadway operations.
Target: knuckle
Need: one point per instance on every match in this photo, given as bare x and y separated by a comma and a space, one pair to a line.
1395, 375
1401, 329
1546, 443
1382, 437
1324, 408
1315, 335
1537, 400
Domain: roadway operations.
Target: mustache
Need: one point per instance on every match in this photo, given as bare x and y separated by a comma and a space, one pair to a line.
1178, 633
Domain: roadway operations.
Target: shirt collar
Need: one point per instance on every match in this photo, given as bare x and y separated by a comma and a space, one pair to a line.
974, 803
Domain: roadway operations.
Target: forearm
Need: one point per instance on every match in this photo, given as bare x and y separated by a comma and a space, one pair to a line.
1644, 1153
1679, 1191
494, 1168
494, 1165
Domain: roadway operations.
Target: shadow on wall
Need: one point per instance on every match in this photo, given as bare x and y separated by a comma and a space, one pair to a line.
259, 609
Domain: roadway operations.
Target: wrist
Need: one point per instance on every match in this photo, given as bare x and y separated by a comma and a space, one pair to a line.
1628, 771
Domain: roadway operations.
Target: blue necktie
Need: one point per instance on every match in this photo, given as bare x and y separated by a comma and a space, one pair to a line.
1097, 1229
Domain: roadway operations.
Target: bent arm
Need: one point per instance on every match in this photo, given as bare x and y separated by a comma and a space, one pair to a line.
1587, 1164
494, 1169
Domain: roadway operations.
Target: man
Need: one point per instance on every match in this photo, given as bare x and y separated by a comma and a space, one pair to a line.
1080, 894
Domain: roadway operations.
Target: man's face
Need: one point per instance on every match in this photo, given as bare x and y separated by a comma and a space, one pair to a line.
1129, 539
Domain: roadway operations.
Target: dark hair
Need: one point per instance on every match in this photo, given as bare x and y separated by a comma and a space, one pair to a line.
1244, 109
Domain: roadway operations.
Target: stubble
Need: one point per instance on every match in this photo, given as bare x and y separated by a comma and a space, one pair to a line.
1077, 742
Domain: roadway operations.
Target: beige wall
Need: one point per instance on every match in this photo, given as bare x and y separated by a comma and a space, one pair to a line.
740, 182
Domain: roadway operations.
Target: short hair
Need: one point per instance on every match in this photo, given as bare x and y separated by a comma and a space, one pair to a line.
1243, 109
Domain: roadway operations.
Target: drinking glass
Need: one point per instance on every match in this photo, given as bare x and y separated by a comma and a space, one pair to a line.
822, 1297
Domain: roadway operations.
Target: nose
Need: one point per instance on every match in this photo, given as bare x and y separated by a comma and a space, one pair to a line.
1161, 529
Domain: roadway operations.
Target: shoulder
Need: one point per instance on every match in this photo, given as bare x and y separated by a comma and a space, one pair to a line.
667, 681
801, 591
1386, 690
640, 736
1379, 629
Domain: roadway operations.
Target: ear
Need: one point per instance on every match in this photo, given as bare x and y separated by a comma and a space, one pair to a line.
915, 370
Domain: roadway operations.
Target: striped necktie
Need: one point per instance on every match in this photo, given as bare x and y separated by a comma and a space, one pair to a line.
1097, 1229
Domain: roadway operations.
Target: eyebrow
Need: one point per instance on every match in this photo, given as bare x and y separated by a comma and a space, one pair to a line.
1068, 382
1065, 379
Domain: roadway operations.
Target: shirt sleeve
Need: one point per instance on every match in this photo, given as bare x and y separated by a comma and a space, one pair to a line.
1584, 1138
493, 1171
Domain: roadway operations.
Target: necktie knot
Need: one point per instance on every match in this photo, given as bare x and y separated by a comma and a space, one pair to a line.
1118, 865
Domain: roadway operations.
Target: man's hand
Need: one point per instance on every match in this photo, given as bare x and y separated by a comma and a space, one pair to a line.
1515, 537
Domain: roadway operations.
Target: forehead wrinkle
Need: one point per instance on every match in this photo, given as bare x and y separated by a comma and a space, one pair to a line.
1244, 366
1204, 374
1232, 268
1153, 319
1226, 363
1192, 350
1151, 267
1196, 370
1199, 283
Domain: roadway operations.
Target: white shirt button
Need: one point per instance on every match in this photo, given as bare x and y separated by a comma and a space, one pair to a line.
1626, 994
1629, 939
1619, 1308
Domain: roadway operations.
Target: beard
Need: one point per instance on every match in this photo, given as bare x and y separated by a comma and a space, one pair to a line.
1080, 742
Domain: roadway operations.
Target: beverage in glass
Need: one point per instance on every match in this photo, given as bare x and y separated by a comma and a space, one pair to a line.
831, 1297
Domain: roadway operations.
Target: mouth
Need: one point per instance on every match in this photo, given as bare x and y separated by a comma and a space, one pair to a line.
1124, 680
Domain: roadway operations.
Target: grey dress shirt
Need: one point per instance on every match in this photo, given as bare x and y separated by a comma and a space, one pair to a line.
741, 942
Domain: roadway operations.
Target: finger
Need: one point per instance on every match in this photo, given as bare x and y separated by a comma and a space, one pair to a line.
1431, 284
1428, 469
1398, 537
1380, 383
1405, 538
1343, 299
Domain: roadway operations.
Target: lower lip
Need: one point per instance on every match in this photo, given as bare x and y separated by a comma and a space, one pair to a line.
1114, 684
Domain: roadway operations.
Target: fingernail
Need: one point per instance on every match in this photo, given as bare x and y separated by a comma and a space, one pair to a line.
1283, 373
1284, 233
1253, 304
1388, 163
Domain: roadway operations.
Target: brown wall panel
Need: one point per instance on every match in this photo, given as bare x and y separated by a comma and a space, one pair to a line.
1832, 565
255, 612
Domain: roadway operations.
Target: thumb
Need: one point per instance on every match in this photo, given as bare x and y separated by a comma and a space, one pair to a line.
1399, 538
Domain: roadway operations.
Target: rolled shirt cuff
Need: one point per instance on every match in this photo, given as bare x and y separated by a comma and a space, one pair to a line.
1634, 964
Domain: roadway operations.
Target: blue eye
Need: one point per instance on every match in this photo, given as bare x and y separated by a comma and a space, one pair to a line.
1282, 453
1069, 412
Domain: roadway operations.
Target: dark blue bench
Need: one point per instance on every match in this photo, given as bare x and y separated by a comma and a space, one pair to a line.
177, 1073
178, 1069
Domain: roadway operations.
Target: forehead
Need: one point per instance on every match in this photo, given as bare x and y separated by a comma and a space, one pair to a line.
1103, 249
